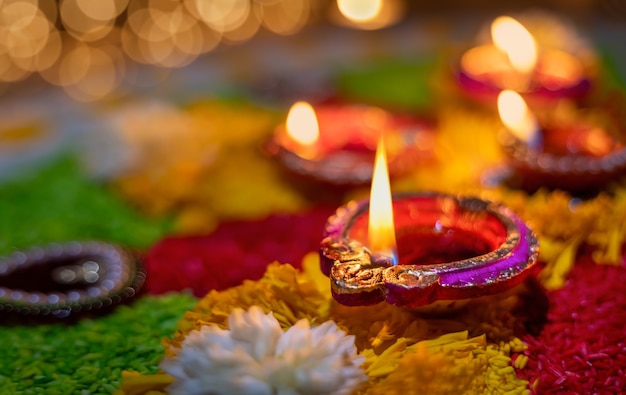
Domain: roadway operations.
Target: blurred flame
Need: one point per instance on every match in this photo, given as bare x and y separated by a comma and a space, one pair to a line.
367, 14
562, 68
381, 231
516, 115
511, 37
360, 10
302, 123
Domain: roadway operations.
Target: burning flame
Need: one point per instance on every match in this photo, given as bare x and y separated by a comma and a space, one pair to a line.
302, 124
511, 37
381, 231
360, 10
516, 116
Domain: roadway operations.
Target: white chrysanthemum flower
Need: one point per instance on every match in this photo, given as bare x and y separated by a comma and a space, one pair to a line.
256, 357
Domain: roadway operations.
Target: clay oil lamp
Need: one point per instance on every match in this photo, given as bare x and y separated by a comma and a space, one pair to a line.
514, 59
335, 144
424, 250
563, 148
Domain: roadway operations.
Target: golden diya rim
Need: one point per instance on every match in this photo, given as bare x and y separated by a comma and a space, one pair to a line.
533, 170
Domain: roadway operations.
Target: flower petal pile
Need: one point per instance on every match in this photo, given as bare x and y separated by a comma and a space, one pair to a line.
472, 349
201, 163
254, 356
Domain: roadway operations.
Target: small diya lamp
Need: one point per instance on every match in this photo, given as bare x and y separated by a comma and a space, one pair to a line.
515, 60
449, 249
335, 143
58, 280
563, 148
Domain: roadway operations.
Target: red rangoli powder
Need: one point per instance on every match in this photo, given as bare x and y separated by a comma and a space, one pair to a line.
234, 252
581, 349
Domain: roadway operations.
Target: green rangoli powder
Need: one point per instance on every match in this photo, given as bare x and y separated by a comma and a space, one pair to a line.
58, 204
88, 357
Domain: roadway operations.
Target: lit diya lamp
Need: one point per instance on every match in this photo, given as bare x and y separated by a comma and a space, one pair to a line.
515, 60
562, 149
449, 249
336, 143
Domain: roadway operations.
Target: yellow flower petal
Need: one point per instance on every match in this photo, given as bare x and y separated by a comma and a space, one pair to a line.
136, 384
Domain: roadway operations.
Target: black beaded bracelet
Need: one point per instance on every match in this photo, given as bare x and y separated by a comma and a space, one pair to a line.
57, 280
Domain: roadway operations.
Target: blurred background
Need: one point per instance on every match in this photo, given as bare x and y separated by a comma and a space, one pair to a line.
95, 49
63, 62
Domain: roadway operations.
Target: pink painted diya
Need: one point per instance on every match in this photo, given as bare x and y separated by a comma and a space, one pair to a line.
335, 143
516, 60
564, 148
449, 248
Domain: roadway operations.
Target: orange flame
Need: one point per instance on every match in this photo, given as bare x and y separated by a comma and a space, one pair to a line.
302, 124
368, 14
516, 115
381, 231
360, 10
512, 38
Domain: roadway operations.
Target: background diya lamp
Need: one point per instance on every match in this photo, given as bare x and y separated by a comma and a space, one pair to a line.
564, 148
335, 143
449, 249
59, 280
516, 60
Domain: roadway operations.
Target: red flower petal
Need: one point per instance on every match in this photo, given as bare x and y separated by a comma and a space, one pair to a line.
582, 347
236, 251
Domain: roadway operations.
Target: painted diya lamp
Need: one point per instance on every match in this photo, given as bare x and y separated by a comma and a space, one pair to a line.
62, 279
514, 60
335, 143
563, 149
449, 249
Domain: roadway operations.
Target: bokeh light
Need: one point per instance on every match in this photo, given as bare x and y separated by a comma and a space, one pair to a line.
84, 45
367, 14
285, 16
360, 10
